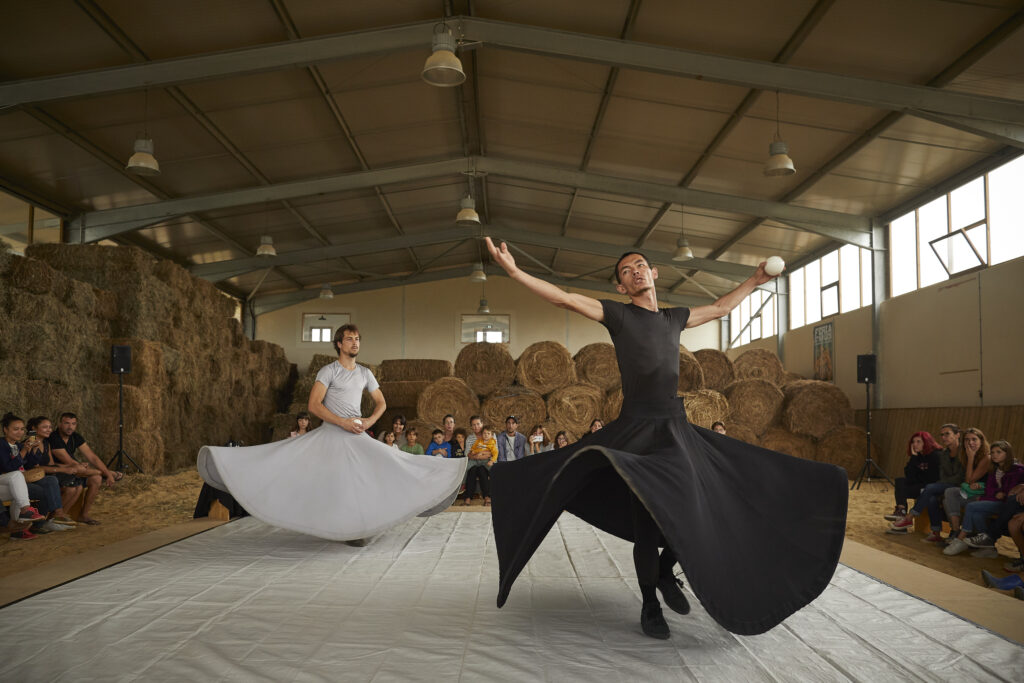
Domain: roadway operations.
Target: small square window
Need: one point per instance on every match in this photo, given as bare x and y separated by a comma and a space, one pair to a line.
319, 327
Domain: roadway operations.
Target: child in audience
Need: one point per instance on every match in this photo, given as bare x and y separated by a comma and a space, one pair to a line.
412, 436
388, 438
596, 425
717, 426
922, 468
301, 425
458, 443
539, 440
483, 452
1005, 474
974, 457
438, 447
561, 439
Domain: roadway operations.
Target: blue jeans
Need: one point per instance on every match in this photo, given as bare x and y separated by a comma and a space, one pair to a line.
978, 511
932, 498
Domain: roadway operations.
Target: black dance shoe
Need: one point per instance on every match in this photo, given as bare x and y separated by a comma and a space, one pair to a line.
653, 622
671, 591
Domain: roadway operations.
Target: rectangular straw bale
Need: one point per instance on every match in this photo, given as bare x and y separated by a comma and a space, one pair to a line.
319, 360
414, 369
142, 408
147, 369
403, 393
281, 425
35, 276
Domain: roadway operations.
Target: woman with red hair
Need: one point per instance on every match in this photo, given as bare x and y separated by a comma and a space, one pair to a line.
922, 468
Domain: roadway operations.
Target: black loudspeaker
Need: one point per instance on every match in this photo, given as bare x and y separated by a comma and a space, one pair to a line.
867, 366
120, 360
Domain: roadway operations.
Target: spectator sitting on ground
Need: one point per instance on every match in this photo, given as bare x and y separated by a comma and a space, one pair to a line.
1005, 474
36, 454
562, 439
596, 425
412, 436
539, 440
922, 468
483, 452
15, 487
717, 426
70, 448
974, 456
398, 423
301, 425
511, 444
951, 473
438, 447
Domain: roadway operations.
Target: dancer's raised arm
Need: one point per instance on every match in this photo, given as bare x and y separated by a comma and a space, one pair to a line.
584, 305
725, 303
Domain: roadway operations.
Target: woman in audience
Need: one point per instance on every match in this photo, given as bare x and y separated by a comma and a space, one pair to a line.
951, 473
398, 423
301, 425
974, 457
35, 453
1003, 476
539, 440
483, 452
13, 486
718, 427
561, 439
596, 425
922, 468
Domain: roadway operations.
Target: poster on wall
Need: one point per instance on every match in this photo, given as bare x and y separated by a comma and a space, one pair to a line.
824, 352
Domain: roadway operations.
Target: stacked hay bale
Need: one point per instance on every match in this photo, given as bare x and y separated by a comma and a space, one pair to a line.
597, 365
195, 378
705, 407
718, 369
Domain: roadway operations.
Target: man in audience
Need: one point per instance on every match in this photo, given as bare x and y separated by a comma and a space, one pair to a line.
70, 448
511, 444
951, 473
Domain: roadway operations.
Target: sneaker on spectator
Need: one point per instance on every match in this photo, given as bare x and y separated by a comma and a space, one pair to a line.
898, 530
981, 540
30, 514
933, 537
1015, 566
904, 523
39, 529
899, 512
985, 552
1003, 583
54, 526
955, 547
23, 535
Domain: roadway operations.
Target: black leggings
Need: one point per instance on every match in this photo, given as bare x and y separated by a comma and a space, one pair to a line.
646, 539
478, 474
905, 489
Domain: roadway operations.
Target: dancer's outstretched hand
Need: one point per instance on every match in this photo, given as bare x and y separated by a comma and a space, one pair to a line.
501, 256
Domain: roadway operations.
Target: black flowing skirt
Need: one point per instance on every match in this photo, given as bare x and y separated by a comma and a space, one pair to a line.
758, 533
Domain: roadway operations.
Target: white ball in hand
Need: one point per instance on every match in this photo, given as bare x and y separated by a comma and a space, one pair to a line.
358, 422
774, 265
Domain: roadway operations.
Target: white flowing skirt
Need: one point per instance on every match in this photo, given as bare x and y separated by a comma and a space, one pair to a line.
332, 483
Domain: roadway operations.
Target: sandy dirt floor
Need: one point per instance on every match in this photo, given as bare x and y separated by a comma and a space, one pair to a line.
142, 503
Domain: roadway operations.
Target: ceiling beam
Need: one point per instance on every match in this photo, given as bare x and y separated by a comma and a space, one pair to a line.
748, 73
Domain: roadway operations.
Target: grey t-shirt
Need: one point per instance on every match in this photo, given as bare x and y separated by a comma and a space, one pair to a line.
345, 388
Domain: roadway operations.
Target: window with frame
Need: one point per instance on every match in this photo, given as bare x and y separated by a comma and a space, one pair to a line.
838, 282
490, 328
754, 318
320, 327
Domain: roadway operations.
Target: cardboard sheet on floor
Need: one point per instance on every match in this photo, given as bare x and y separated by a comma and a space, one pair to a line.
247, 601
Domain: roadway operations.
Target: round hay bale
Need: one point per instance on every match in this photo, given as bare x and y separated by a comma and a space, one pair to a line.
691, 375
814, 408
596, 364
704, 407
446, 395
485, 367
759, 364
784, 441
575, 406
403, 393
526, 404
411, 369
545, 366
718, 368
742, 432
846, 447
757, 403
612, 405
789, 377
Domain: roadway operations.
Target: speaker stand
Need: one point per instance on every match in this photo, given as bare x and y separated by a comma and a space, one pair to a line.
121, 454
869, 464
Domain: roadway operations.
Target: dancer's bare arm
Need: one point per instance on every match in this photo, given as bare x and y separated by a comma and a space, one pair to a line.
316, 407
702, 314
379, 406
584, 305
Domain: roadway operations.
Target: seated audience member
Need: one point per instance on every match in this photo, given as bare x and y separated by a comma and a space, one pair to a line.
398, 423
1005, 474
483, 452
301, 425
561, 439
475, 425
922, 468
36, 454
951, 473
70, 448
539, 440
388, 438
458, 443
13, 485
1007, 523
595, 425
718, 427
412, 436
973, 455
448, 424
511, 444
438, 447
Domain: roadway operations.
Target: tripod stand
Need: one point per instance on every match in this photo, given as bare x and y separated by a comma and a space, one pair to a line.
869, 463
121, 454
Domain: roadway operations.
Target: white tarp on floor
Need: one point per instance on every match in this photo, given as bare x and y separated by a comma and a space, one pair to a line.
248, 602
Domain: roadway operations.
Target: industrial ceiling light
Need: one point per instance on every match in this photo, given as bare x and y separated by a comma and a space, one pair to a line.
683, 251
266, 247
467, 212
326, 292
142, 161
483, 308
779, 162
478, 274
442, 67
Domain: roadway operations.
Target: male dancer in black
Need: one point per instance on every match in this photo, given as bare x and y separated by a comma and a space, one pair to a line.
722, 507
